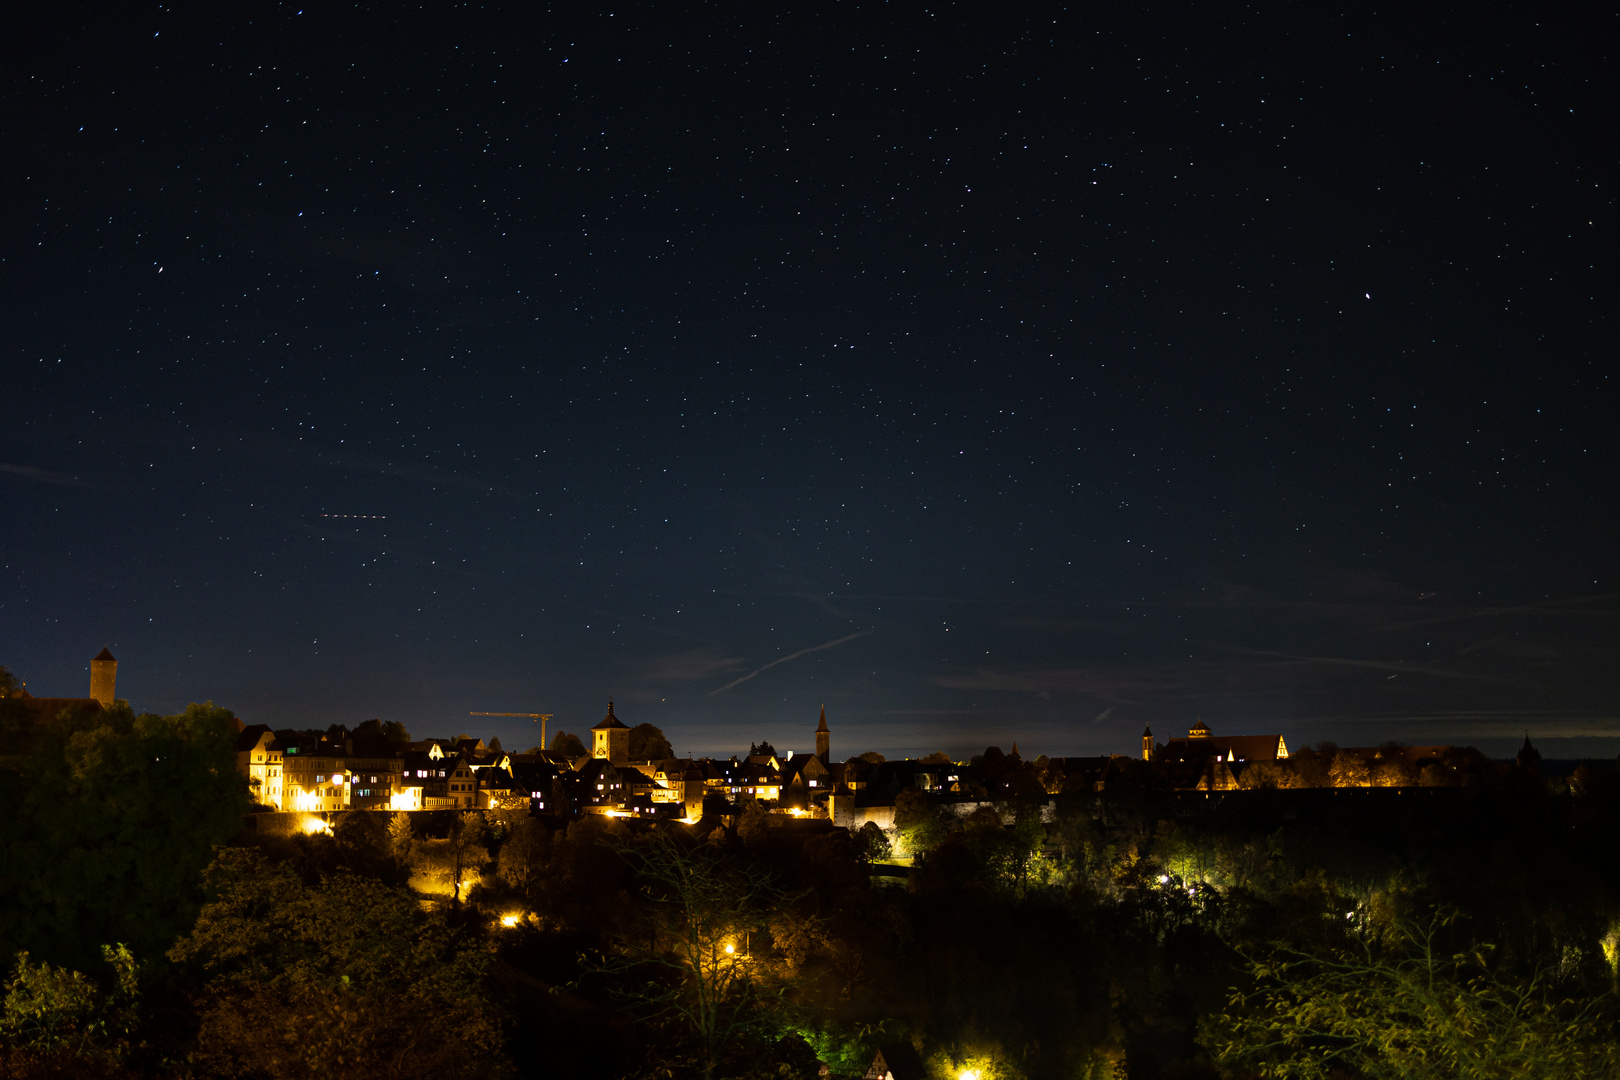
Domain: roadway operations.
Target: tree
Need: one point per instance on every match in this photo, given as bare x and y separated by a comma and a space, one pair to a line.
466, 846
647, 743
347, 976
1350, 770
692, 966
8, 683
871, 843
565, 745
495, 743
51, 1008
761, 749
524, 853
916, 821
1407, 1011
752, 828
872, 757
401, 837
110, 819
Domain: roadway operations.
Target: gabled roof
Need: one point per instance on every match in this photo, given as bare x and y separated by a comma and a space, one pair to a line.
609, 722
496, 780
596, 767
248, 738
898, 1060
534, 772
1230, 747
800, 764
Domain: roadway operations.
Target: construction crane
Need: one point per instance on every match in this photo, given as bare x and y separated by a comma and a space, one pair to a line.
541, 718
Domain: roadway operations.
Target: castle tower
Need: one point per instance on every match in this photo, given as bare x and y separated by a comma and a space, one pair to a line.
103, 676
1147, 743
823, 737
611, 739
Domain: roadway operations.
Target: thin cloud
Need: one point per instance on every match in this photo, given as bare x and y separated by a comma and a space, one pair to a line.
785, 659
692, 665
41, 476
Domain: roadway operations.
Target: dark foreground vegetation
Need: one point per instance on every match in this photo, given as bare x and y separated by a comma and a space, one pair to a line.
1452, 932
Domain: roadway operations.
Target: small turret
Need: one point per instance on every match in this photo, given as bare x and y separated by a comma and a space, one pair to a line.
823, 738
1147, 743
1198, 731
103, 678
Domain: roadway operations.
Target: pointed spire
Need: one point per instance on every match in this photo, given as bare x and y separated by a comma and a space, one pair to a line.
823, 725
1147, 732
1014, 749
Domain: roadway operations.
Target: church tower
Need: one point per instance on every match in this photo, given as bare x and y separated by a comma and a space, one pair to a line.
823, 738
611, 739
103, 676
1147, 743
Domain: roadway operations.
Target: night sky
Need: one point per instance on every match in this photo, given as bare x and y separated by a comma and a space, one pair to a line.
1012, 373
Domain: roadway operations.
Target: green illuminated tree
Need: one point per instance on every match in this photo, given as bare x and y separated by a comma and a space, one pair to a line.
52, 1008
871, 843
1407, 1011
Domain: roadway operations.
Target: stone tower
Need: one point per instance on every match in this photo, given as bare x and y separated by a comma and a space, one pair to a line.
103, 676
611, 739
823, 738
1147, 743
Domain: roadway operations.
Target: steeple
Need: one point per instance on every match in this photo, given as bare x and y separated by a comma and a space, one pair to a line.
823, 737
1529, 758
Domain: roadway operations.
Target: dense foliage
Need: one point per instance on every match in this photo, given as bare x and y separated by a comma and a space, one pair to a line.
111, 818
1458, 930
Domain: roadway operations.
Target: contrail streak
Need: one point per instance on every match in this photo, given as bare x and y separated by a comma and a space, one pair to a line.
785, 659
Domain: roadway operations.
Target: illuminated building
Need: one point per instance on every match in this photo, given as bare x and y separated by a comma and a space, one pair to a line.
610, 739
258, 757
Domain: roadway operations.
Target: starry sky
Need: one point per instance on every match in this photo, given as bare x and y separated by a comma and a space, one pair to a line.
1009, 372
